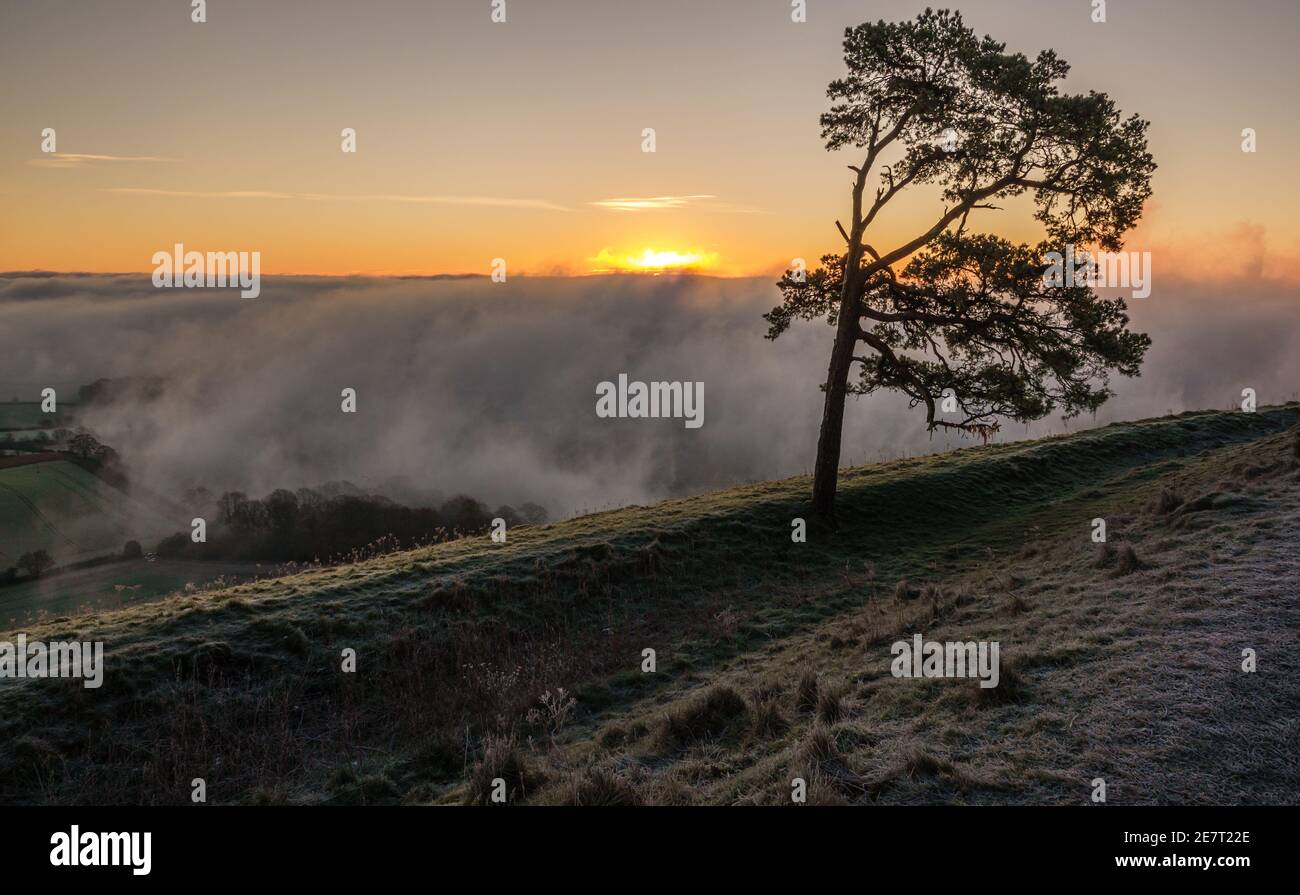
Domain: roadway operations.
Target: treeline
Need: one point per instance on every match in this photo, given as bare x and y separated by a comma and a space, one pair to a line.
306, 526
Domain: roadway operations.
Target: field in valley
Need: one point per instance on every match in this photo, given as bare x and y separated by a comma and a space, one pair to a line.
113, 585
1120, 661
60, 507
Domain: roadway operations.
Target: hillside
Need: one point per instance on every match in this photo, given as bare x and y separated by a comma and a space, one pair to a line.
1120, 662
72, 513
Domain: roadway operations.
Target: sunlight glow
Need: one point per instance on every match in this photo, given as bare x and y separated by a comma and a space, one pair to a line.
653, 261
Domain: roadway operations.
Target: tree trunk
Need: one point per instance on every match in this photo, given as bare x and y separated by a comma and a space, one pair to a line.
826, 472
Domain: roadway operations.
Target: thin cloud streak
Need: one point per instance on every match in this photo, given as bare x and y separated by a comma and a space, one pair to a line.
86, 159
653, 203
487, 201
662, 203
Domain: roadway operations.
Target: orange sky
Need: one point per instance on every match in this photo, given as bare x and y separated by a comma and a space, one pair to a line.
523, 140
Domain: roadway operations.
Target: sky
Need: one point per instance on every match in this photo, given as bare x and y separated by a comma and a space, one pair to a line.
523, 140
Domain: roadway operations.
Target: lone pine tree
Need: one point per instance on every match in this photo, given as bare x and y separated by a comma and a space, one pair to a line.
970, 312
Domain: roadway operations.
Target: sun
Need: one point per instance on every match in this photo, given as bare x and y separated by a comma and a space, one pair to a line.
653, 261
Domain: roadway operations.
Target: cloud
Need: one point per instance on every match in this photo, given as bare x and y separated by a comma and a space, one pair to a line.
663, 203
82, 160
469, 386
488, 201
199, 194
654, 203
1240, 252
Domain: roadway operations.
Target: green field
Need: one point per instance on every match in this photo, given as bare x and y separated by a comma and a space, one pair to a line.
111, 586
28, 415
25, 435
75, 515
1120, 661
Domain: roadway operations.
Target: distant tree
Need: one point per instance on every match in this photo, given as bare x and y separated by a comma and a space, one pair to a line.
464, 514
281, 511
309, 500
305, 526
970, 313
132, 550
87, 447
533, 514
230, 505
36, 563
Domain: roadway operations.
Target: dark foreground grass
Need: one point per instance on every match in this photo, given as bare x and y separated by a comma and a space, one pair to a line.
455, 643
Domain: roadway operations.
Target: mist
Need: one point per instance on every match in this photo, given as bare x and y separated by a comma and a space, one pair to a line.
465, 386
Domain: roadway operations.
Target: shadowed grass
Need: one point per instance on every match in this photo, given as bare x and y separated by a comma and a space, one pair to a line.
455, 642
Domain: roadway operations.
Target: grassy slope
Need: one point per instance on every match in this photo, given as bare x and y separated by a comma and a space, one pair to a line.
72, 513
455, 643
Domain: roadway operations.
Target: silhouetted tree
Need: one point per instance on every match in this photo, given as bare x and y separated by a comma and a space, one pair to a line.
36, 563
971, 313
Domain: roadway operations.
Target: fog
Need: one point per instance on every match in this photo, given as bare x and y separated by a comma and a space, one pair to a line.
489, 389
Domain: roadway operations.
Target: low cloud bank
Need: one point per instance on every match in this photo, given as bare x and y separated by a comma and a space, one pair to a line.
468, 386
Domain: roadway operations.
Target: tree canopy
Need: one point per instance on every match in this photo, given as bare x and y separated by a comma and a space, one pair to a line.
952, 309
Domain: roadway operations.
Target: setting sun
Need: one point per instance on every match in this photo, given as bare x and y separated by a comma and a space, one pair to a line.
653, 261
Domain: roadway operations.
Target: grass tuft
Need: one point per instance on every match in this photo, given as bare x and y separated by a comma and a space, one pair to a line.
806, 694
1126, 560
1166, 502
502, 759
767, 719
714, 715
830, 705
1012, 687
597, 787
